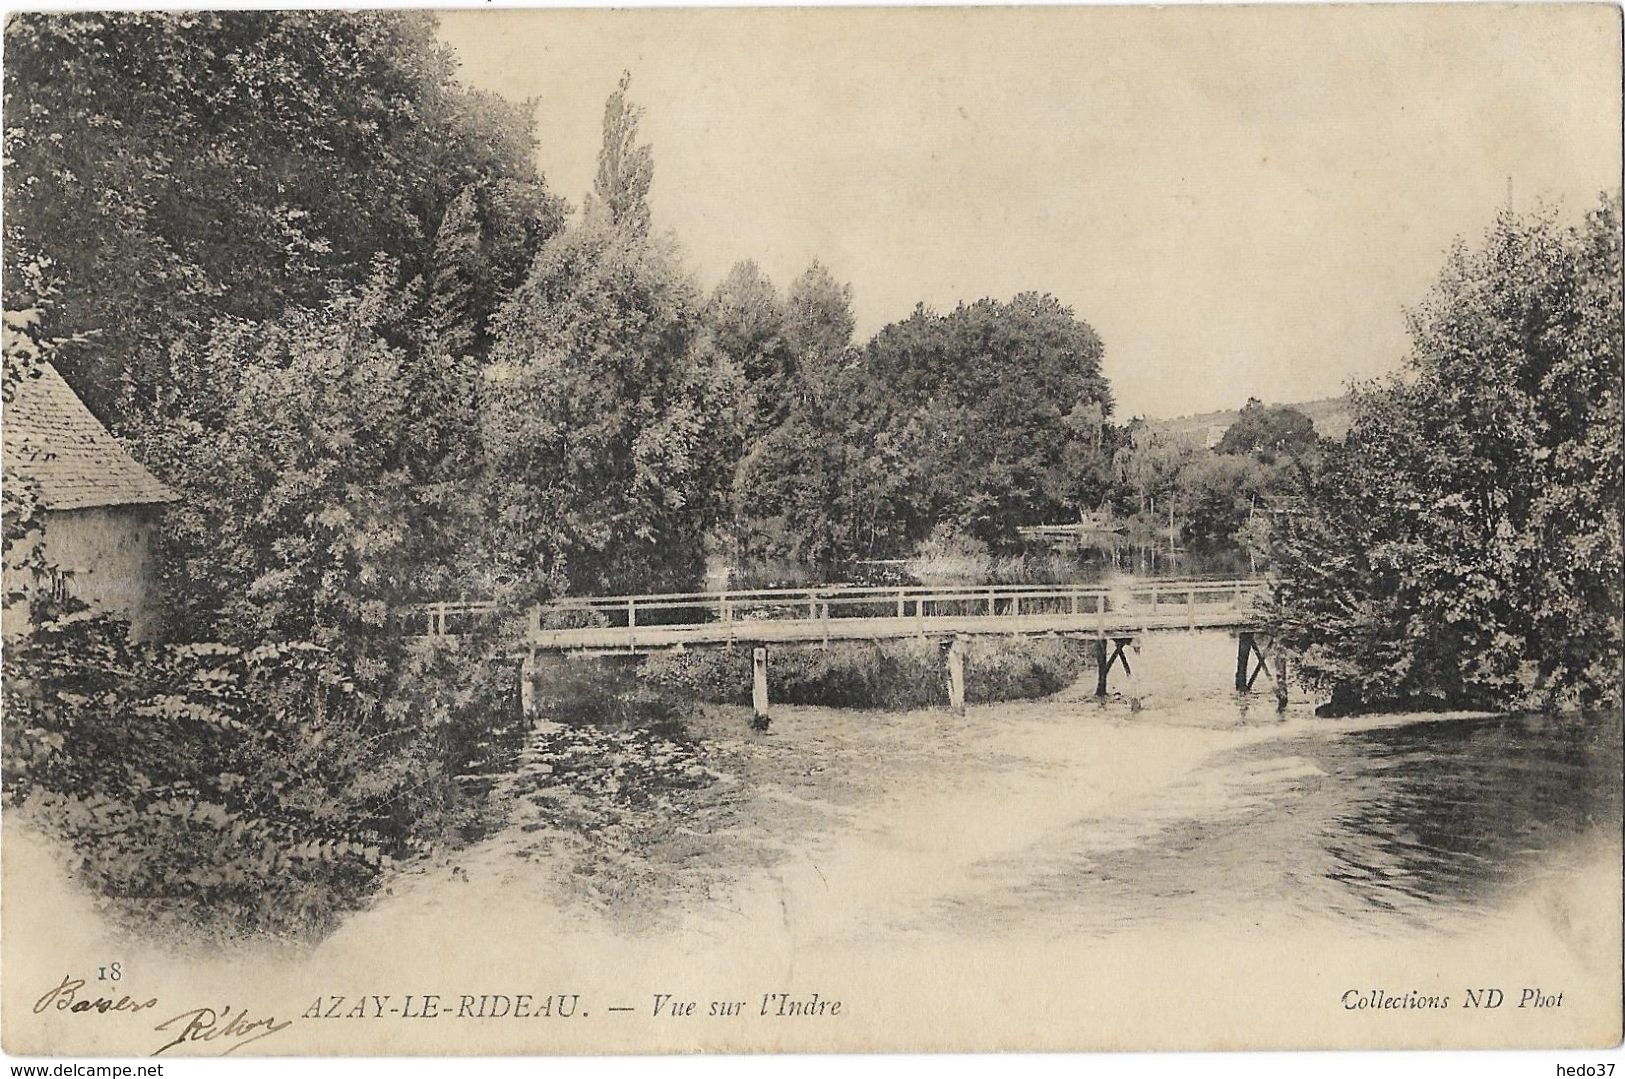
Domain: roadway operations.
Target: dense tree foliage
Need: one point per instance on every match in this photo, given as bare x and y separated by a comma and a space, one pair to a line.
620, 190
978, 421
748, 323
818, 324
820, 489
21, 515
1269, 432
1166, 484
172, 169
609, 410
270, 245
1463, 546
319, 491
1214, 496
256, 781
801, 472
987, 400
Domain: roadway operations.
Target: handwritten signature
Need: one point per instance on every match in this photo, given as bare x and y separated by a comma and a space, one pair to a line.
229, 1024
66, 998
207, 1024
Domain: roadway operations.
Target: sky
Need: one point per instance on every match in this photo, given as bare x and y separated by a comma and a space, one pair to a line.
1241, 201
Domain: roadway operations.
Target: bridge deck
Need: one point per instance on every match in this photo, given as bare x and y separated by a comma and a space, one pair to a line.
603, 639
631, 624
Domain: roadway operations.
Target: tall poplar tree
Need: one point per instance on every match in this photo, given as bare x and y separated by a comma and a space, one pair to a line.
608, 410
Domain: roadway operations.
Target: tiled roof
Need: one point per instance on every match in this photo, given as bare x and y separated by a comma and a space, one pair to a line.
52, 438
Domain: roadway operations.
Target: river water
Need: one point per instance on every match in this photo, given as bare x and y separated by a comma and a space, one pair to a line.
1065, 818
1401, 824
1072, 818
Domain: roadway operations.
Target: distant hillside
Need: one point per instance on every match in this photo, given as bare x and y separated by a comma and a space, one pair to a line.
1332, 416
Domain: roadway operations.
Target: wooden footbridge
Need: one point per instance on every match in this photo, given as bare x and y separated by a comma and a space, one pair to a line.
1115, 618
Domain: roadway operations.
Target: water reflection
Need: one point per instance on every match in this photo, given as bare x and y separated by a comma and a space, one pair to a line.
1457, 811
1106, 557
1395, 827
1116, 555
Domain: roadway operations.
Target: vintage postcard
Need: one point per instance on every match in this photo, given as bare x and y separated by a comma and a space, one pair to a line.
811, 530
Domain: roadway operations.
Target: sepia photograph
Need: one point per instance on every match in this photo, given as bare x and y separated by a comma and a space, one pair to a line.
805, 530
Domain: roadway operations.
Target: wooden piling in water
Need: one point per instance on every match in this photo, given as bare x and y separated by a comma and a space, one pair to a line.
1131, 685
1244, 656
1108, 657
956, 674
527, 685
758, 689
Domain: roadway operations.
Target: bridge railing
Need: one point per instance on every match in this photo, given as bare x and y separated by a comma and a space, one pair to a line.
448, 619
1157, 600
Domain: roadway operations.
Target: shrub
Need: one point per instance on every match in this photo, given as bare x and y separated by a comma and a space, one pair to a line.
238, 790
950, 557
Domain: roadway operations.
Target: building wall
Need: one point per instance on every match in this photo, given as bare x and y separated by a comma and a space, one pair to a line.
106, 554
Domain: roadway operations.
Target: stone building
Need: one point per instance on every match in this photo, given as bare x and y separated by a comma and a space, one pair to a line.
100, 507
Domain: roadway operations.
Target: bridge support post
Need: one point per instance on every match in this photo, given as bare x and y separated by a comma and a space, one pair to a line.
1131, 683
527, 686
1248, 649
956, 674
1106, 658
758, 687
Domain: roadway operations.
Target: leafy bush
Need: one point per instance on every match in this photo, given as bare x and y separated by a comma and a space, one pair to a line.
379, 150
193, 774
243, 790
949, 556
